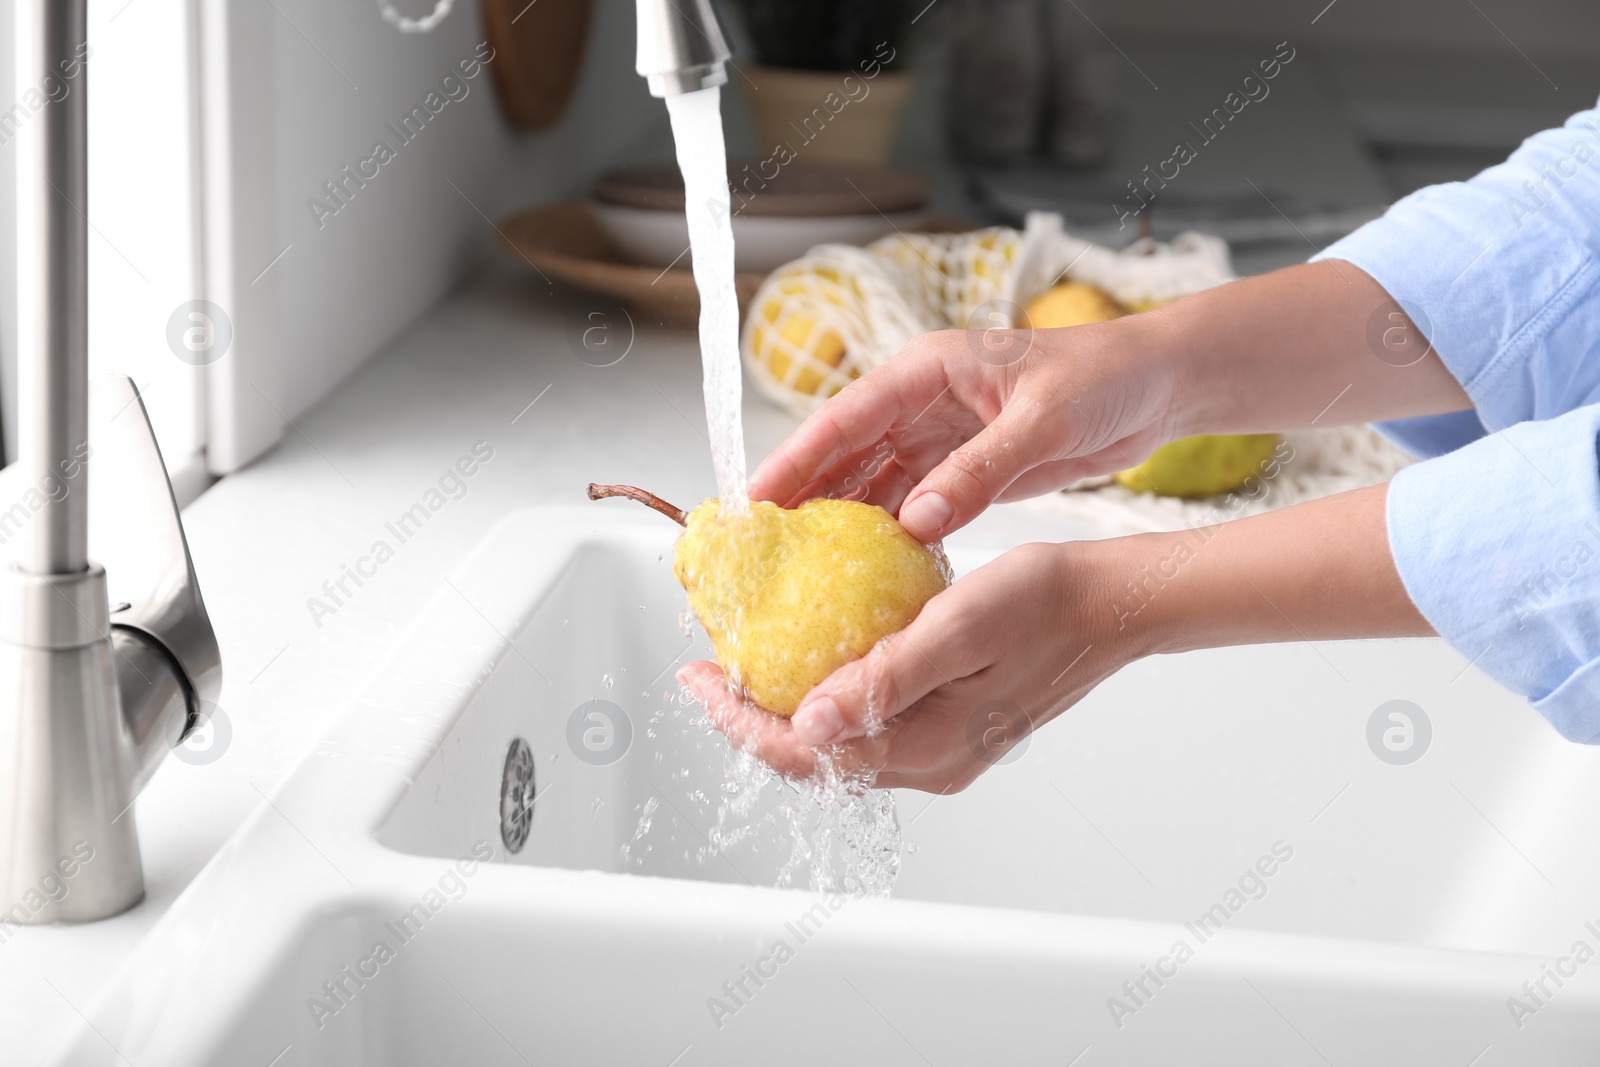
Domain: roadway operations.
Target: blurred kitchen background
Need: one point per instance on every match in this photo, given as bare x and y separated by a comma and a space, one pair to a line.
1059, 104
214, 123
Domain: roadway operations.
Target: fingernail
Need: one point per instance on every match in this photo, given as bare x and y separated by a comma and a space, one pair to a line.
818, 721
926, 514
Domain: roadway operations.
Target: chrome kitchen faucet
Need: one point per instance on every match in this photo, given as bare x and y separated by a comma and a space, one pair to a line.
91, 696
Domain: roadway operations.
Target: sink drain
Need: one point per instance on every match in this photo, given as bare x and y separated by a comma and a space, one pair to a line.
516, 796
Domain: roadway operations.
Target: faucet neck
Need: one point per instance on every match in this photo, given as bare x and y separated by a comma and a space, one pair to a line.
52, 287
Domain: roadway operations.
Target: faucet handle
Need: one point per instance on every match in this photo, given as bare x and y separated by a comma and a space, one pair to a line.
136, 533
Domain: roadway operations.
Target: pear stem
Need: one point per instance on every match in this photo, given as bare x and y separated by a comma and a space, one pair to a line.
676, 514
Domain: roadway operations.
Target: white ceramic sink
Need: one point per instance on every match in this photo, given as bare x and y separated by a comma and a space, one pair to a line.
1405, 904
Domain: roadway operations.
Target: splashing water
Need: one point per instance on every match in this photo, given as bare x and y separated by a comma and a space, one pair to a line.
844, 835
703, 158
646, 818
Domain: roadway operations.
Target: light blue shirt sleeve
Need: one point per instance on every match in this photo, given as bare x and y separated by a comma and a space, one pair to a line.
1498, 538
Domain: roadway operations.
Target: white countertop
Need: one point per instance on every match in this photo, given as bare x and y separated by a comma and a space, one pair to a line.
265, 540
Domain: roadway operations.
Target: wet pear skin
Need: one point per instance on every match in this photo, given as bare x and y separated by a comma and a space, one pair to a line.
788, 596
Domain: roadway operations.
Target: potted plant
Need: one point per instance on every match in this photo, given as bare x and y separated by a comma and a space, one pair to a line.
830, 83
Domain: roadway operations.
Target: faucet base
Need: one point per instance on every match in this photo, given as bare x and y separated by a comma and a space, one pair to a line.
68, 846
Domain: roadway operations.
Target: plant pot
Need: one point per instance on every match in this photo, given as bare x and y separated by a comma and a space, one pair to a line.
826, 116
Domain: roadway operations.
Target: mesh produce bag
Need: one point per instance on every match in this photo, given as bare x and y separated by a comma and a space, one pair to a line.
838, 311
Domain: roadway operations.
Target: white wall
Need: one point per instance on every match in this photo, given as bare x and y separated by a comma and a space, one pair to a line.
403, 241
141, 238
346, 287
351, 281
143, 247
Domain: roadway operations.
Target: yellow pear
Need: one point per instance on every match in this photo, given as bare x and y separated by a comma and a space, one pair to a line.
1202, 466
789, 325
805, 335
788, 596
1071, 304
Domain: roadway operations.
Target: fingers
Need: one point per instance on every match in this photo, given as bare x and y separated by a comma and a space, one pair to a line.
768, 737
973, 477
849, 422
890, 489
875, 481
771, 738
899, 671
932, 751
853, 420
1062, 474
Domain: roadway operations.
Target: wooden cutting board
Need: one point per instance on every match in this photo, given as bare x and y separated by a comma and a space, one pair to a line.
539, 48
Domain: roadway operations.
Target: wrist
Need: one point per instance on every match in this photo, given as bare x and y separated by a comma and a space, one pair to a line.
1205, 383
1178, 591
1126, 587
1140, 358
1255, 355
1320, 570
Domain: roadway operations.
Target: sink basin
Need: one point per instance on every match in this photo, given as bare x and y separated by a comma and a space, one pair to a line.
460, 870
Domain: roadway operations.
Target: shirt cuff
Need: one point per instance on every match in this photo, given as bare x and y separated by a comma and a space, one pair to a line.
1502, 273
1498, 545
1433, 435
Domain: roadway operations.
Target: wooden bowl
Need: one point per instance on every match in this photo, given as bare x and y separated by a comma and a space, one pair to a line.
565, 243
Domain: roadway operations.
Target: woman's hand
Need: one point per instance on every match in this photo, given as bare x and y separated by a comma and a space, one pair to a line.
1013, 644
993, 657
962, 418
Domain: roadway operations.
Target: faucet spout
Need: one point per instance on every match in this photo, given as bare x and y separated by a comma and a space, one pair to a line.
682, 48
